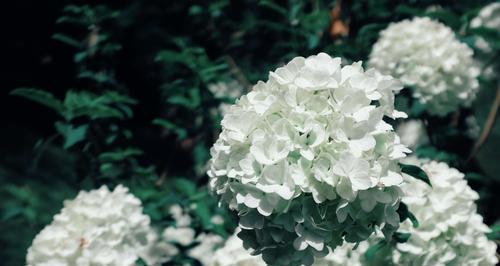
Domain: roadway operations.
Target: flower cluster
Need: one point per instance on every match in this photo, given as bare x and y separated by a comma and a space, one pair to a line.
425, 55
489, 18
307, 160
227, 93
450, 232
98, 227
180, 238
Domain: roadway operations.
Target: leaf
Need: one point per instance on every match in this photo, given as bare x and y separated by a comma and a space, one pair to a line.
401, 237
404, 213
180, 132
67, 40
415, 172
494, 234
273, 6
203, 212
370, 253
71, 135
119, 155
185, 186
40, 96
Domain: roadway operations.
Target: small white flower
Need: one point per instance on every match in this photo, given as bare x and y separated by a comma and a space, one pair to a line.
412, 133
183, 236
204, 251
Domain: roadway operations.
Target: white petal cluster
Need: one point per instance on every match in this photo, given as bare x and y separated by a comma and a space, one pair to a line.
234, 254
227, 92
425, 55
412, 133
306, 158
98, 227
488, 17
181, 239
450, 231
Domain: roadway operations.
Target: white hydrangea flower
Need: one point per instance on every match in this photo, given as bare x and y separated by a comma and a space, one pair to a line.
98, 227
450, 231
412, 133
227, 91
306, 158
234, 254
157, 251
488, 17
180, 239
425, 55
206, 247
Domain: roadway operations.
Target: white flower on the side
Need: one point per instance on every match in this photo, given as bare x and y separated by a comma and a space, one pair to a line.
412, 133
312, 136
488, 17
450, 232
99, 227
206, 247
426, 56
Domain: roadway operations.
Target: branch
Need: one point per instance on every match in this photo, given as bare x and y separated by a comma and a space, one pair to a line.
488, 125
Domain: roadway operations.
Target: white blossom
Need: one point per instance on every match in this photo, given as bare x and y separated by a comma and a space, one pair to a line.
157, 251
310, 139
181, 239
412, 133
450, 232
206, 247
488, 17
425, 55
98, 227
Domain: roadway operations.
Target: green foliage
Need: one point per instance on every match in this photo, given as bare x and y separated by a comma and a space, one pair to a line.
138, 109
415, 172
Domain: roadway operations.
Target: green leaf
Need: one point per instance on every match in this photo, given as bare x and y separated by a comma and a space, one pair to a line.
67, 40
371, 252
203, 212
180, 132
185, 186
495, 232
119, 155
404, 213
416, 172
401, 237
71, 134
273, 6
39, 96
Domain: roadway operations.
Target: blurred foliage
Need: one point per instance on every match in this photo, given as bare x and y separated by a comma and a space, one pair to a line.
129, 92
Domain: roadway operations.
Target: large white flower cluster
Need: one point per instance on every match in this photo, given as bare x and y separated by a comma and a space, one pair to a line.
450, 232
234, 254
307, 160
425, 55
98, 227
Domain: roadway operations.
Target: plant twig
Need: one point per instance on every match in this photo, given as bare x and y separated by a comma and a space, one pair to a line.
488, 125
